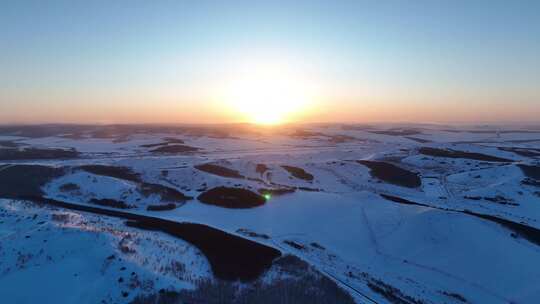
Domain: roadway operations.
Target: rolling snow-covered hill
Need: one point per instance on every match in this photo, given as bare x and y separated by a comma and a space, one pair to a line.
243, 214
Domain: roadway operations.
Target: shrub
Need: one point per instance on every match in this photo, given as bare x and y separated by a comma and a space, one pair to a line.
299, 173
69, 187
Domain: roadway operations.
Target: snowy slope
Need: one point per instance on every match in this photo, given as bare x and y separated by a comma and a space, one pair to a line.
339, 222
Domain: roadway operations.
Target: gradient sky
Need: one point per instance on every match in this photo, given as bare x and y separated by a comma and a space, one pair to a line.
166, 61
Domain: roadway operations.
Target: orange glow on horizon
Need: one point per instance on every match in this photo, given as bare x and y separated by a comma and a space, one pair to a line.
266, 92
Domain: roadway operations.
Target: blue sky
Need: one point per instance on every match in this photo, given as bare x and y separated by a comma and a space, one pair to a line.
84, 60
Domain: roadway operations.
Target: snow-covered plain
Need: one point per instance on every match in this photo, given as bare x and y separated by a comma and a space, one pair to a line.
341, 222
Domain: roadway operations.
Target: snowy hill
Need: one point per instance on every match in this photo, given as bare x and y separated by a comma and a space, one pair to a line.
337, 213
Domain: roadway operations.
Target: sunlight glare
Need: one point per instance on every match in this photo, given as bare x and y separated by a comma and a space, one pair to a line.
268, 95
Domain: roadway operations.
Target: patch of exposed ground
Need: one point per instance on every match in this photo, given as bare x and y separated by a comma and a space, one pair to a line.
392, 174
36, 131
419, 140
530, 171
261, 168
400, 200
532, 174
69, 187
173, 149
529, 233
398, 132
391, 293
299, 173
356, 127
8, 144
167, 194
161, 207
250, 233
306, 134
294, 245
166, 141
37, 153
531, 182
298, 282
111, 203
526, 152
339, 139
235, 198
495, 199
219, 170
455, 296
19, 181
335, 139
449, 153
112, 171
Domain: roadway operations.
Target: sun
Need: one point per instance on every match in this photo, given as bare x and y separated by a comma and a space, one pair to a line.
268, 95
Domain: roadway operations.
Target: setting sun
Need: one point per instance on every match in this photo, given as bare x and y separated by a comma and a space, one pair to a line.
267, 95
270, 152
